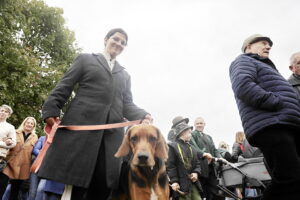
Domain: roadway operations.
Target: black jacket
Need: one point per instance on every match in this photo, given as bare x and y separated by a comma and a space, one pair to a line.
176, 169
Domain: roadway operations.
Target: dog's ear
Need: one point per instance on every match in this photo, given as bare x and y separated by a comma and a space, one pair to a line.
125, 146
162, 148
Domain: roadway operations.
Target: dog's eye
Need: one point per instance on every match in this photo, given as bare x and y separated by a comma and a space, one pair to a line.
134, 139
152, 139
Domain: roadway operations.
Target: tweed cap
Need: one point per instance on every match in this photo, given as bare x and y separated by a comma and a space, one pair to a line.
255, 38
178, 120
179, 128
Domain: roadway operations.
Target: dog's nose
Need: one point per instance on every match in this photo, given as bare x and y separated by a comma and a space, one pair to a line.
143, 157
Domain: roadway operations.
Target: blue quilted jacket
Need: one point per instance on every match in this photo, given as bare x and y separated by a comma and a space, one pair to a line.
264, 98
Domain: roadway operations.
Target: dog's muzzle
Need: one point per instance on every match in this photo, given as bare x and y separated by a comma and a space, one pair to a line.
143, 158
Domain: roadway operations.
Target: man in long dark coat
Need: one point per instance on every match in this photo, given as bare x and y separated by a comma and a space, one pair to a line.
85, 159
205, 145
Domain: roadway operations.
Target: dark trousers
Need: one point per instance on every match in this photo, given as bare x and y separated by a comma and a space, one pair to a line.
210, 183
98, 188
281, 148
15, 188
3, 183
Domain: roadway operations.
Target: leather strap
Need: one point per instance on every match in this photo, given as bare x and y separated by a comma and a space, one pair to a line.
99, 127
50, 132
49, 138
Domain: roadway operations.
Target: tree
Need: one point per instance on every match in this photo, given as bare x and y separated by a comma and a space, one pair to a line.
35, 50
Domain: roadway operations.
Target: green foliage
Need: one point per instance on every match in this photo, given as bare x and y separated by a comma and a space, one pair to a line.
35, 50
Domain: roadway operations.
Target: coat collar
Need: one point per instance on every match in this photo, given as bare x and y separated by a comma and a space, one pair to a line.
20, 135
102, 61
100, 57
262, 59
294, 79
199, 132
117, 68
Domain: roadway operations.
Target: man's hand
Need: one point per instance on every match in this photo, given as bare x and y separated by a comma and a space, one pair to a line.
194, 177
175, 186
8, 141
51, 120
208, 156
222, 160
148, 119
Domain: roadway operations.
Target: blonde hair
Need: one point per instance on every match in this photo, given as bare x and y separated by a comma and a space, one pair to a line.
7, 108
223, 145
21, 127
240, 137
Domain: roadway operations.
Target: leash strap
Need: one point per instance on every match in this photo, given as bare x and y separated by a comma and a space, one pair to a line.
49, 138
99, 127
181, 154
50, 132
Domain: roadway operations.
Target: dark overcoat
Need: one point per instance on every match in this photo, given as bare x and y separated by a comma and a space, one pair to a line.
204, 144
102, 96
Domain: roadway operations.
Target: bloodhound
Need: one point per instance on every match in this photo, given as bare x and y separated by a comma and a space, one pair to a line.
147, 177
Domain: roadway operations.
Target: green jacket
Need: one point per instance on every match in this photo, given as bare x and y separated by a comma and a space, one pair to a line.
294, 80
204, 144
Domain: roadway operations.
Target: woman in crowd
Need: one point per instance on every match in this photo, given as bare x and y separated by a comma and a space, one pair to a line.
224, 151
238, 146
42, 189
19, 158
34, 193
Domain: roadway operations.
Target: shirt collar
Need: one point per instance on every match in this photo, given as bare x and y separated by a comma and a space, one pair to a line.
296, 76
110, 62
108, 57
200, 132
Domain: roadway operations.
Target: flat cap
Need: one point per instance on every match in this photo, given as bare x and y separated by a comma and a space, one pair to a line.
255, 38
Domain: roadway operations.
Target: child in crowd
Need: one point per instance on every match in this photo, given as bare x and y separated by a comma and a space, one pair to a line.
183, 166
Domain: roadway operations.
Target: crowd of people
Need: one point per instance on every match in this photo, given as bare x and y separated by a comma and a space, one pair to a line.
84, 161
23, 146
195, 152
20, 147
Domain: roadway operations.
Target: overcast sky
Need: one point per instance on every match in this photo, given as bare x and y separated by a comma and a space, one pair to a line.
179, 51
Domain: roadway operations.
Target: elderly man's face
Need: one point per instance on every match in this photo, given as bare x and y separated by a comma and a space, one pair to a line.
199, 124
295, 67
262, 48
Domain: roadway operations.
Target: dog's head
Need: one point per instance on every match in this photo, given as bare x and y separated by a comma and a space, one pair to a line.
146, 142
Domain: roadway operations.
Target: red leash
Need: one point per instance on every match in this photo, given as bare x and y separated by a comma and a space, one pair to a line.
50, 132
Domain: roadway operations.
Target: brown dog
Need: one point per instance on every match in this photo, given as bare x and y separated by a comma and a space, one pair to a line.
147, 178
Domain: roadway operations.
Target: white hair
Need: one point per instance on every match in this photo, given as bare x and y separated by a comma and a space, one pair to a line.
292, 59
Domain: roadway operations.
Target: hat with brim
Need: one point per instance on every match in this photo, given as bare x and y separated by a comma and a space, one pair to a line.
178, 120
255, 38
180, 128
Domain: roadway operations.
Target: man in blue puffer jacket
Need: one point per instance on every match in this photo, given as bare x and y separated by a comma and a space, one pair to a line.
270, 115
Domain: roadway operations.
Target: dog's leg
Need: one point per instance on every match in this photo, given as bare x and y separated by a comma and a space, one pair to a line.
161, 193
137, 193
161, 187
